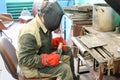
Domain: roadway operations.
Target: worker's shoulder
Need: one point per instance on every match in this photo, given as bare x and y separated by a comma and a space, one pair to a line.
32, 23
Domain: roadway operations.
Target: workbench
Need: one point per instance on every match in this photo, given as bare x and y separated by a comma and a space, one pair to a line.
104, 47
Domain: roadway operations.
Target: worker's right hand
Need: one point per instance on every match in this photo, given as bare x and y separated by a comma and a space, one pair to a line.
51, 59
56, 41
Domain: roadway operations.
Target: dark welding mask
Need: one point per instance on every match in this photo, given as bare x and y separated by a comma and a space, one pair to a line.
52, 15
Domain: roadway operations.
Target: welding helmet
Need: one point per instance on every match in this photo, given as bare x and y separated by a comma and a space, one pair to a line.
52, 15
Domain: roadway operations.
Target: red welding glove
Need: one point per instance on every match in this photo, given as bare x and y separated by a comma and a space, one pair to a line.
50, 59
57, 40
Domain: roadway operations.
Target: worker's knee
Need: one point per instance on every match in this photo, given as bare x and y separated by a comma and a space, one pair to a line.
66, 72
65, 67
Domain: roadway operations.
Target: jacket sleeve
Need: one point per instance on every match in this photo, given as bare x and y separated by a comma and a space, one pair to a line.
27, 52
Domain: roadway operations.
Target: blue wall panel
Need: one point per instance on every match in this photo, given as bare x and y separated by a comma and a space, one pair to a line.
88, 1
65, 3
10, 1
3, 6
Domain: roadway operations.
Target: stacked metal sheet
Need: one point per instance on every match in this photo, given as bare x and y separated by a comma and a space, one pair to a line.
81, 12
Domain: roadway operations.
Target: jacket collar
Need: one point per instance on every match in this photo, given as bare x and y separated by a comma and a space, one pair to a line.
40, 24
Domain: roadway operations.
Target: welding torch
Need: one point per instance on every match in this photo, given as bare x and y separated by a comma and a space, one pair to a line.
80, 47
59, 49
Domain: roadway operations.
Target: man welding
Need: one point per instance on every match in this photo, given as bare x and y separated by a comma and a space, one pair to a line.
38, 53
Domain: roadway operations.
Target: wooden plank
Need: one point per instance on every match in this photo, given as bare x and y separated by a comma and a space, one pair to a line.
112, 44
90, 29
104, 54
91, 41
110, 38
92, 51
106, 51
97, 56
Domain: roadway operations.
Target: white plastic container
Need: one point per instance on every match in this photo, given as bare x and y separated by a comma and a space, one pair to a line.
103, 17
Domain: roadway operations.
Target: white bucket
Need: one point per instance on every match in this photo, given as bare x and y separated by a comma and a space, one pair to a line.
103, 17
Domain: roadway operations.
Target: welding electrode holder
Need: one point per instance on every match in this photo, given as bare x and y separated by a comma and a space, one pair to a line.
59, 50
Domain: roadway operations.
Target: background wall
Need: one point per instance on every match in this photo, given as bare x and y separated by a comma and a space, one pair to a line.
3, 6
88, 1
19, 0
65, 3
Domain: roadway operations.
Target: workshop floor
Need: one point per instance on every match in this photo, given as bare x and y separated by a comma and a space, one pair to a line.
12, 33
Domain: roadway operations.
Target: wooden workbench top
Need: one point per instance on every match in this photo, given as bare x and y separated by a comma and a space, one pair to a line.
101, 45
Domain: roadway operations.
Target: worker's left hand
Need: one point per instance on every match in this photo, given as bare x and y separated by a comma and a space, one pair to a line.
51, 59
57, 40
